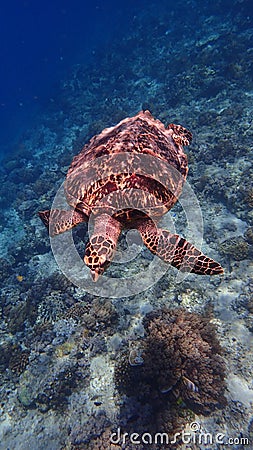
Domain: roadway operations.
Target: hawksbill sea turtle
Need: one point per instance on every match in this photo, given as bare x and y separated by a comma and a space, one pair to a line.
129, 176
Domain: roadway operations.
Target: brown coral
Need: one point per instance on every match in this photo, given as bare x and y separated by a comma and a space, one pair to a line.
76, 311
184, 355
19, 361
249, 198
249, 235
98, 316
236, 248
13, 357
181, 358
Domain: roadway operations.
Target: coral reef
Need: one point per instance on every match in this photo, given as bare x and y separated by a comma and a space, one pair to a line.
49, 382
51, 308
76, 311
248, 235
243, 304
181, 355
100, 316
249, 197
99, 425
194, 69
236, 248
13, 357
175, 371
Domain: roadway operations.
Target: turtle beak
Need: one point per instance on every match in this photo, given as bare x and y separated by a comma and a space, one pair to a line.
95, 275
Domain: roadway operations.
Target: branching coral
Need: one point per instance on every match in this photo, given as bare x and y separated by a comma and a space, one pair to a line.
99, 316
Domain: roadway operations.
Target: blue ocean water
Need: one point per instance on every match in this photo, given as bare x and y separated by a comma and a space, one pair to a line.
149, 349
39, 45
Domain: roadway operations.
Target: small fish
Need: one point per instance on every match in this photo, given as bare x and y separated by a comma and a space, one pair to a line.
189, 384
164, 390
135, 358
20, 278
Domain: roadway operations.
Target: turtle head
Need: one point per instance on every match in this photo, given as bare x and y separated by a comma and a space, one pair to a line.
102, 244
98, 255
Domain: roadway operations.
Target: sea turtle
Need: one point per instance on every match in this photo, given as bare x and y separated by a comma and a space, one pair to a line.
129, 176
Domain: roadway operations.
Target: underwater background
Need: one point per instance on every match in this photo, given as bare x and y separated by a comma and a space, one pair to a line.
176, 357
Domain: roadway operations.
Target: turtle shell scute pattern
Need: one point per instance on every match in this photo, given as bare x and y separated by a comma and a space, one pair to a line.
99, 173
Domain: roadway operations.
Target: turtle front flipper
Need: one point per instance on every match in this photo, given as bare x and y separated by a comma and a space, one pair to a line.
102, 245
176, 251
57, 221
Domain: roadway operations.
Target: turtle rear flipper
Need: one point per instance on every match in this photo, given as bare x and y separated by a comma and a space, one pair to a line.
57, 221
176, 251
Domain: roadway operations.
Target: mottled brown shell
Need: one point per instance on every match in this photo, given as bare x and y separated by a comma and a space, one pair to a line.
99, 173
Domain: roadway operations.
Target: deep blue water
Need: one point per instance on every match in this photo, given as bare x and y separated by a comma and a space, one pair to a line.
40, 42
